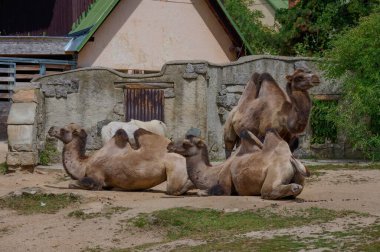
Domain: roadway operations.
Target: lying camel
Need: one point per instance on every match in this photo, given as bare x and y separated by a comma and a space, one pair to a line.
118, 165
267, 169
265, 105
154, 126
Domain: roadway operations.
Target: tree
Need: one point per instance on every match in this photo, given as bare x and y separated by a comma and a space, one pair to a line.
355, 60
308, 28
259, 37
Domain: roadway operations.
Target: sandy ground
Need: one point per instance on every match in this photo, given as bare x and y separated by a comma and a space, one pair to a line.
338, 190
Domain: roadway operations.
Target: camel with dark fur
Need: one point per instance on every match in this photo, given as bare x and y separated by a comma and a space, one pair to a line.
118, 165
264, 105
267, 169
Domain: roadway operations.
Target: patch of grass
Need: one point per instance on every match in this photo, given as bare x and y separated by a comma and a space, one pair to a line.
316, 168
3, 168
207, 223
280, 243
355, 239
107, 213
38, 203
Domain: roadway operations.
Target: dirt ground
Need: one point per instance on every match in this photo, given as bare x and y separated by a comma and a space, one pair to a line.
357, 190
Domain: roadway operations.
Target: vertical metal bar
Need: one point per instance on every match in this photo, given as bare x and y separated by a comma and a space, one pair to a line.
42, 69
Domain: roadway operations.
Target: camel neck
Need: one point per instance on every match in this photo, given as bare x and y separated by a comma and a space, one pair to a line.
301, 106
73, 158
196, 168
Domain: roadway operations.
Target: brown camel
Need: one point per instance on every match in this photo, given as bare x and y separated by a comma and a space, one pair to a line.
267, 169
264, 105
118, 165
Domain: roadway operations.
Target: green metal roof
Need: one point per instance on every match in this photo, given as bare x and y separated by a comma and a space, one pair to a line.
97, 12
246, 44
278, 4
89, 22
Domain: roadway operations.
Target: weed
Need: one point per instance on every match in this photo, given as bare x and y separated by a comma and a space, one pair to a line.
38, 203
3, 168
48, 154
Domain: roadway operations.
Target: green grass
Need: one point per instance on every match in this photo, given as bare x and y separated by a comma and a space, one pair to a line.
38, 203
372, 166
3, 168
107, 213
205, 224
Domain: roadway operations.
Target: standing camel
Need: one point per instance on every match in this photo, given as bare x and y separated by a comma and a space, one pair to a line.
264, 105
118, 165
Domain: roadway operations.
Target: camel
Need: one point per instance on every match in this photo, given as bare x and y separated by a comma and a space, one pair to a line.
267, 169
265, 105
154, 126
118, 165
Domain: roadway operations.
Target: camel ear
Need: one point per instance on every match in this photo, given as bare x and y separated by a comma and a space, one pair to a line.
200, 143
82, 133
289, 77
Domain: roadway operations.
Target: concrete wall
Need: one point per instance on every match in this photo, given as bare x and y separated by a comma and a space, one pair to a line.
150, 33
197, 94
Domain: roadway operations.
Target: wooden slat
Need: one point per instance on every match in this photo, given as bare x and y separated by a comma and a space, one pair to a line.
26, 76
8, 78
7, 70
5, 96
28, 67
6, 87
63, 67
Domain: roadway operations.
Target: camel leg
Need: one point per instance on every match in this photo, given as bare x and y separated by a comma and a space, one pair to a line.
280, 191
229, 144
229, 135
176, 175
293, 144
86, 183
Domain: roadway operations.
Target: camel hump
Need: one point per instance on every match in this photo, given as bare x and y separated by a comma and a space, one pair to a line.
265, 77
121, 138
140, 132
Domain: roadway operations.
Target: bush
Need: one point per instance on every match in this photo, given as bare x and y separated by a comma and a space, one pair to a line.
355, 60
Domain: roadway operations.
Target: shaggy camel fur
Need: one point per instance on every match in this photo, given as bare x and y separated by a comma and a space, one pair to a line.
120, 166
154, 126
267, 169
264, 105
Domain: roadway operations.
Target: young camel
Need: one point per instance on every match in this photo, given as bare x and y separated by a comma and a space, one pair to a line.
267, 169
120, 166
265, 105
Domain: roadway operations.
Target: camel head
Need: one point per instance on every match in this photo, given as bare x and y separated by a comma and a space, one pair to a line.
68, 133
302, 80
189, 147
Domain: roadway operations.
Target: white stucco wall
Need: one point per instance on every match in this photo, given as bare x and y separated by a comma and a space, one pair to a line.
144, 34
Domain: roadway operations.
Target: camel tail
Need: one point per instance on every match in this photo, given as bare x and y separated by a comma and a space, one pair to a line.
299, 167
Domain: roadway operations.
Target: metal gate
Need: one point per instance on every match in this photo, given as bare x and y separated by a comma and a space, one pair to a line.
7, 81
144, 104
